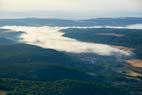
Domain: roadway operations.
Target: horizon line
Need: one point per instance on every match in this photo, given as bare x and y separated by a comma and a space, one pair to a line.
72, 18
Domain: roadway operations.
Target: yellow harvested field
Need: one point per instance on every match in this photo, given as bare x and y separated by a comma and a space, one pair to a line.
135, 63
2, 93
133, 74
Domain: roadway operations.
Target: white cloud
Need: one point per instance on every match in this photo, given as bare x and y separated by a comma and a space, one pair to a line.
132, 26
52, 37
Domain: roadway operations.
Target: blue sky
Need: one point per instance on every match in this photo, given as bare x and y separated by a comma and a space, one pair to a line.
70, 9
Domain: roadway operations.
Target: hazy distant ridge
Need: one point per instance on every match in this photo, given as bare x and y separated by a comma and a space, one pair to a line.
61, 22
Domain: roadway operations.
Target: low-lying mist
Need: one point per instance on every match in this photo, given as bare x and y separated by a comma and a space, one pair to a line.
52, 38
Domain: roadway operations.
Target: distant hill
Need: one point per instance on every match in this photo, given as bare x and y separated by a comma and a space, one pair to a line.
61, 22
116, 21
